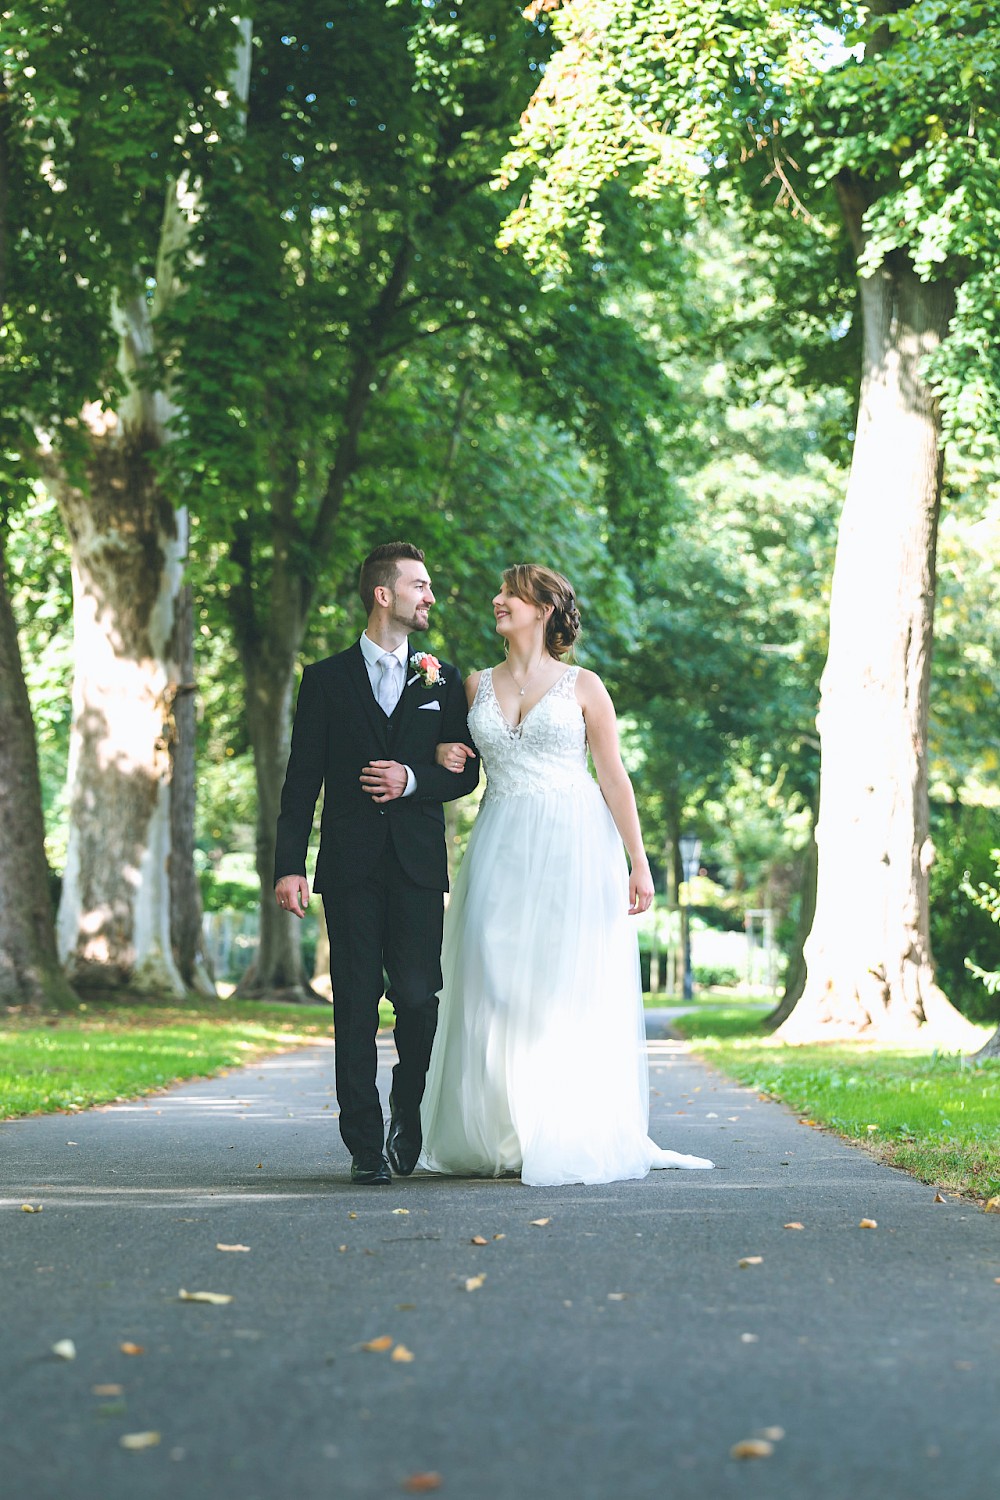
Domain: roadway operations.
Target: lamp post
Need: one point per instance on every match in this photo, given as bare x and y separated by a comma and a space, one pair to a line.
690, 849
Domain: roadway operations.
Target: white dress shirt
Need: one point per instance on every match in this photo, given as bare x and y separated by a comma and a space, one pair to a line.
373, 655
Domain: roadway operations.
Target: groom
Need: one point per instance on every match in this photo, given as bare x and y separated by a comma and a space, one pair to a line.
366, 725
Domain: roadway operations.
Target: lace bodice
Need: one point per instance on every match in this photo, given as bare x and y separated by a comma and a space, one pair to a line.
546, 752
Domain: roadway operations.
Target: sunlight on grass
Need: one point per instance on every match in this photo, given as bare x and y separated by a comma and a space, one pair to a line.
936, 1115
104, 1052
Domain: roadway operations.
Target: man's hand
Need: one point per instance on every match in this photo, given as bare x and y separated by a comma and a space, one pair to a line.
383, 780
452, 755
292, 894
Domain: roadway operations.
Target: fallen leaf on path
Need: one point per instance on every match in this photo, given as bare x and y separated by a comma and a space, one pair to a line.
795, 1225
379, 1345
868, 1224
473, 1283
499, 1236
341, 1248
752, 1448
617, 1296
131, 1348
65, 1349
540, 1222
992, 1205
107, 1390
135, 1441
217, 1299
244, 1248
401, 1210
750, 1260
772, 1434
29, 1208
940, 1198
401, 1355
749, 1338
478, 1239
421, 1484
352, 1216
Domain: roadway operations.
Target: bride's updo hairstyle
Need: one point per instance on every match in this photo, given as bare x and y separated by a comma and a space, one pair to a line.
542, 586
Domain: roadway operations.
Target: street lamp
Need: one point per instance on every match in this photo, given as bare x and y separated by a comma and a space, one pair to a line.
690, 847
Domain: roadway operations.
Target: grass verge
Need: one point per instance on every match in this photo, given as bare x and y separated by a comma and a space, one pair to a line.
105, 1051
936, 1116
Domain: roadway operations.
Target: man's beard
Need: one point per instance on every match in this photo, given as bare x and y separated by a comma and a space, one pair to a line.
411, 622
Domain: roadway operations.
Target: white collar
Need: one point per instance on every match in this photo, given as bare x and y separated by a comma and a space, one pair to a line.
373, 652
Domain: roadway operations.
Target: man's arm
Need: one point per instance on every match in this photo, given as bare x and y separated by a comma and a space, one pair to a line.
303, 779
434, 783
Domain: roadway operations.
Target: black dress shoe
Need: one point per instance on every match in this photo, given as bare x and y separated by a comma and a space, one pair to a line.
405, 1140
370, 1167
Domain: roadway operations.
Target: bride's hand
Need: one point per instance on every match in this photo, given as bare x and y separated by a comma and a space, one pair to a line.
640, 889
452, 755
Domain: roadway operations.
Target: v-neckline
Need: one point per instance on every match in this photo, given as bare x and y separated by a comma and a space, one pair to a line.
514, 728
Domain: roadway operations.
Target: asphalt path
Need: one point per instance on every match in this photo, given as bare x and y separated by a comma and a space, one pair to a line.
604, 1343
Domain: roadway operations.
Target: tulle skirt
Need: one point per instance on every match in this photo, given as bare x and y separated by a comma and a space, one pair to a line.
539, 1062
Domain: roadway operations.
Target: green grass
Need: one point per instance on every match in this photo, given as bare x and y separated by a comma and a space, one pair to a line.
936, 1116
105, 1051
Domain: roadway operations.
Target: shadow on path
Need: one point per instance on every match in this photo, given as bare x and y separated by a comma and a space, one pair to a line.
616, 1349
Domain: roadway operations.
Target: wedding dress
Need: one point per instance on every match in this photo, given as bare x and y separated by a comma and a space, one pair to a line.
539, 1061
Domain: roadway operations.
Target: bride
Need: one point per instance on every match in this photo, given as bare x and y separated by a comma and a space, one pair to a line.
539, 1062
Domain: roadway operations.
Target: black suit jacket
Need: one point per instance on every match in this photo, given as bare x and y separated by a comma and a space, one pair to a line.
338, 728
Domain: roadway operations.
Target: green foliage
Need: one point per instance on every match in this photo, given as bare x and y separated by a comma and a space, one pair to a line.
985, 897
347, 310
106, 106
961, 931
773, 108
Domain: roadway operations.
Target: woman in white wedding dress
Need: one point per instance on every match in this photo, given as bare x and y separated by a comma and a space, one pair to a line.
539, 1061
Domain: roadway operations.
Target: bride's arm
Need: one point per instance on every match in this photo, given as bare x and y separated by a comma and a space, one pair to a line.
602, 738
452, 754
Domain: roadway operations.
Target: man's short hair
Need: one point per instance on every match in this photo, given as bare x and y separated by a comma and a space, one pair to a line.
380, 569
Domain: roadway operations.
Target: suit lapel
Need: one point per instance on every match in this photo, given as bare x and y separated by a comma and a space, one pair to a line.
358, 673
412, 695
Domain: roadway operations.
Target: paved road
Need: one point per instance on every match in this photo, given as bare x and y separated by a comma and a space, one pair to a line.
615, 1352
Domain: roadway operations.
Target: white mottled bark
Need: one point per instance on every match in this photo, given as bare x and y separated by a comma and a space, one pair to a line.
869, 965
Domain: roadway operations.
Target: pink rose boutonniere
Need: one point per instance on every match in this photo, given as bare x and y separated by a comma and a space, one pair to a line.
427, 668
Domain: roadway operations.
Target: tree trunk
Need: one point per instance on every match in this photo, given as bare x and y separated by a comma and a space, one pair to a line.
186, 938
870, 970
321, 982
991, 1048
277, 972
795, 981
114, 916
29, 965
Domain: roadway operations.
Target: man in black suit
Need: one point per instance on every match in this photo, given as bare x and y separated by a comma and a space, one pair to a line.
367, 723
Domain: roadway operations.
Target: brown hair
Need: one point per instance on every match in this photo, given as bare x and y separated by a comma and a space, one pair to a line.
379, 570
538, 585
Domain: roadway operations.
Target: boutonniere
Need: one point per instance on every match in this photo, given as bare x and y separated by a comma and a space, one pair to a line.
427, 668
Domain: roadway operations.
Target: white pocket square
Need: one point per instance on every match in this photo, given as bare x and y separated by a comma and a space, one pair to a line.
434, 704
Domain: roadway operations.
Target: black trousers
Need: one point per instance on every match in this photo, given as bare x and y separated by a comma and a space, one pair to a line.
385, 937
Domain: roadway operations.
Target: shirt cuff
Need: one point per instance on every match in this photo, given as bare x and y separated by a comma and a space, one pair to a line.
411, 782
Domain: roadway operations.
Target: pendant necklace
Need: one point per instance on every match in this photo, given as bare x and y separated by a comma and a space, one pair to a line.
527, 678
